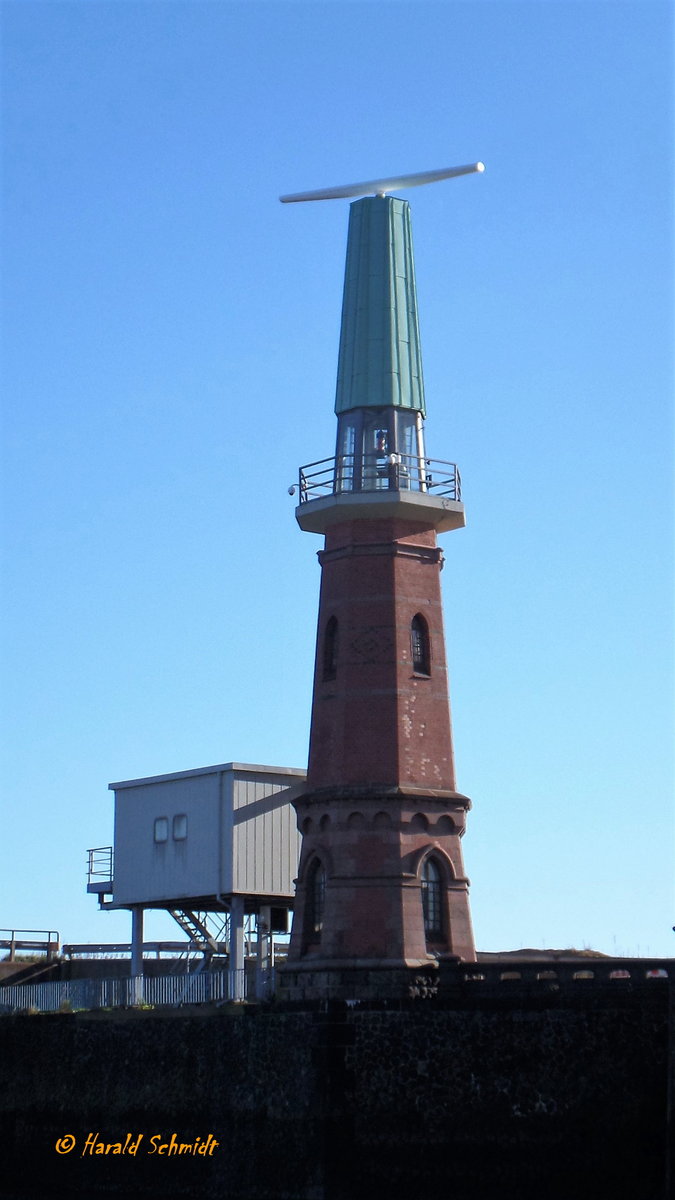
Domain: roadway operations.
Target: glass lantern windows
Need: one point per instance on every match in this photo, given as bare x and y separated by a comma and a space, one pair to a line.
380, 448
376, 450
344, 466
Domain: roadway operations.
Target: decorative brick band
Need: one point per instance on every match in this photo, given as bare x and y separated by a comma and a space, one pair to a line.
429, 554
439, 798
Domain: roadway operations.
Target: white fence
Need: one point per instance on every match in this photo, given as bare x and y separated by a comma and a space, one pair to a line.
69, 995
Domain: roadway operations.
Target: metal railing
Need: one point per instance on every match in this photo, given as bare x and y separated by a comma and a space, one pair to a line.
115, 949
347, 473
47, 942
164, 990
100, 864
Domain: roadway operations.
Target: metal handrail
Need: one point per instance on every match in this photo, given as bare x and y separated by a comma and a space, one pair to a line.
348, 473
52, 934
100, 863
49, 943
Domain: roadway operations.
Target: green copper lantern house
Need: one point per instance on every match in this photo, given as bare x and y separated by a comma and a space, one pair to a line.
380, 389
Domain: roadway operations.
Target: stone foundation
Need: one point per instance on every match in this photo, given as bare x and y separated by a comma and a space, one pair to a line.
471, 1097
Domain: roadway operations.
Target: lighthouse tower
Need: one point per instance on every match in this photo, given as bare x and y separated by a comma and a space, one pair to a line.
381, 891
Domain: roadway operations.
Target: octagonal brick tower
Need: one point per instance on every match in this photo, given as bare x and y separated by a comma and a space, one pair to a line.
381, 887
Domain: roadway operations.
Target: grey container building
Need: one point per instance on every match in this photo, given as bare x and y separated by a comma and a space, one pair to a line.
218, 839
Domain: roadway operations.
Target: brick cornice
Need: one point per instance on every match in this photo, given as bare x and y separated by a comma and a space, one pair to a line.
429, 554
376, 793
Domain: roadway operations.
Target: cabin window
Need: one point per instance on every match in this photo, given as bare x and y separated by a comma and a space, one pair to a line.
180, 827
330, 649
161, 829
431, 900
419, 645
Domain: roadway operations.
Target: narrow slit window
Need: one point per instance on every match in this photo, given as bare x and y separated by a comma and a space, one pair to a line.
420, 648
330, 649
431, 901
316, 893
161, 832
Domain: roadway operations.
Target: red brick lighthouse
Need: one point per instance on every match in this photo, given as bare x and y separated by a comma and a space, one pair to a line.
381, 889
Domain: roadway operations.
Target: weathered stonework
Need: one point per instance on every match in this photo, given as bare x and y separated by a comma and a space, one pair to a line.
522, 1092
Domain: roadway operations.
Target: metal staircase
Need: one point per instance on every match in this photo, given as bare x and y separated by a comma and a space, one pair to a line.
201, 939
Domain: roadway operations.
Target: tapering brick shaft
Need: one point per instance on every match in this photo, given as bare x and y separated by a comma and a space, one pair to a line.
381, 788
377, 718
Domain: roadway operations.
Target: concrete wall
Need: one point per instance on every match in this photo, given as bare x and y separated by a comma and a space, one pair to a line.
513, 1097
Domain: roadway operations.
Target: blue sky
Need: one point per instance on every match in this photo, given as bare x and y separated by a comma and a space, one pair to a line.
170, 343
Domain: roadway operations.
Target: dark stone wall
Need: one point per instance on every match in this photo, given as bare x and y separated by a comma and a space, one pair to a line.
507, 1097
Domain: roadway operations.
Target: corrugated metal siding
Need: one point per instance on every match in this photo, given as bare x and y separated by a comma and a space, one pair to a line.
226, 789
266, 845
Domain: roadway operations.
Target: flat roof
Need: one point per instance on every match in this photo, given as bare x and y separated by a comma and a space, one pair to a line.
244, 768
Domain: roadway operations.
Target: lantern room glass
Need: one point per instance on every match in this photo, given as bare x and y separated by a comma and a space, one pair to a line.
378, 449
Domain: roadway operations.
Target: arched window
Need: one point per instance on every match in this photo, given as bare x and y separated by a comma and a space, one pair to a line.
431, 901
314, 901
330, 649
419, 644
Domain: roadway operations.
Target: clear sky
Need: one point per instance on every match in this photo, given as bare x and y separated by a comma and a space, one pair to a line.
170, 346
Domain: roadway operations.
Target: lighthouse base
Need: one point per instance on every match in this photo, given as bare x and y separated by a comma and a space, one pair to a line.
380, 889
357, 981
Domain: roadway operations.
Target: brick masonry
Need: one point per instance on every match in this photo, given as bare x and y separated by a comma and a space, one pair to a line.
381, 791
377, 722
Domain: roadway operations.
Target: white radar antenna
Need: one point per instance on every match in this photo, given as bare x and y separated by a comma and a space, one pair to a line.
380, 187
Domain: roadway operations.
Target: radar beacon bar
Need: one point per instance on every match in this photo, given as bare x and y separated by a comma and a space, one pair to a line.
380, 187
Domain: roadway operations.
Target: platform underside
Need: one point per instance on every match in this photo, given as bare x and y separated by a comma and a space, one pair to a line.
435, 512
